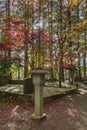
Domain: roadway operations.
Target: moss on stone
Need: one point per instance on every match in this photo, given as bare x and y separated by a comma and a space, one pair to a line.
28, 98
12, 97
60, 94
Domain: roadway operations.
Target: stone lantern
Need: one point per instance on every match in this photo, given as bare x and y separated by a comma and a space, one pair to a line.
72, 69
38, 81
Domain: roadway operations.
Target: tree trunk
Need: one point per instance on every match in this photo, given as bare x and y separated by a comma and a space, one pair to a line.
84, 65
79, 68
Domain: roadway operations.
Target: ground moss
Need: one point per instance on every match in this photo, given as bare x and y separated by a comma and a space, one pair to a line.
12, 97
3, 104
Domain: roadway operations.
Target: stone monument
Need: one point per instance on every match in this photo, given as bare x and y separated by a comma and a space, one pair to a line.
38, 81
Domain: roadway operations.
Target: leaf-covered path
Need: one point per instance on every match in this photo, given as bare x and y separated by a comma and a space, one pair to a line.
67, 113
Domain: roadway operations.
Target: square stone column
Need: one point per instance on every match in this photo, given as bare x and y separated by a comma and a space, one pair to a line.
38, 81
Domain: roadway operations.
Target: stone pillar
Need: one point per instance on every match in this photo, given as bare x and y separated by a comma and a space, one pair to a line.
38, 81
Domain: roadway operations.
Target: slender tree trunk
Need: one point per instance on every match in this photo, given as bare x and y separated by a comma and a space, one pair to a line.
61, 44
51, 33
19, 71
26, 44
84, 65
79, 68
78, 44
8, 27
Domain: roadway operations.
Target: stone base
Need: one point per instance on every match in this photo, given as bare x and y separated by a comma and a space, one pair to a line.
35, 117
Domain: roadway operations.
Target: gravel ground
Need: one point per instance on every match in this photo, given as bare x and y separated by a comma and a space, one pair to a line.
66, 113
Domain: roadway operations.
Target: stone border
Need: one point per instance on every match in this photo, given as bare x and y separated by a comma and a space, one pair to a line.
18, 82
15, 98
60, 94
28, 98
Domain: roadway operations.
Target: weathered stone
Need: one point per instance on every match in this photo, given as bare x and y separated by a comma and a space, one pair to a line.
38, 81
4, 79
28, 86
85, 82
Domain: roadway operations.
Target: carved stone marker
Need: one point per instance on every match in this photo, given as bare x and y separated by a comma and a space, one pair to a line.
28, 86
38, 81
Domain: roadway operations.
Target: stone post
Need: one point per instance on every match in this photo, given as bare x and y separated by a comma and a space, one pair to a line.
38, 81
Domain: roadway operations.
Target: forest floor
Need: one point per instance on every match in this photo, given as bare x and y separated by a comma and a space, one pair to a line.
65, 113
